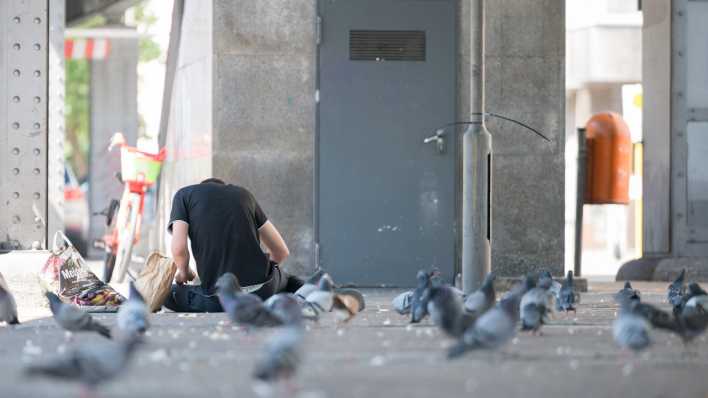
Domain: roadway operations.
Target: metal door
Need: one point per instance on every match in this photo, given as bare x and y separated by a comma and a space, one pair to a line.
386, 200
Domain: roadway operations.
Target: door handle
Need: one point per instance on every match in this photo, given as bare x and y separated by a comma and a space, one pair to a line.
438, 138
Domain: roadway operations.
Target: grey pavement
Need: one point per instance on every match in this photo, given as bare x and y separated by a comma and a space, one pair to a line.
377, 354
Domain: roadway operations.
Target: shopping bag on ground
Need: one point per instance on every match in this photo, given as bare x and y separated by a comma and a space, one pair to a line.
155, 280
68, 276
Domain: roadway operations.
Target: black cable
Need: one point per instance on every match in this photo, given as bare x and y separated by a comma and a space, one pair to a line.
497, 116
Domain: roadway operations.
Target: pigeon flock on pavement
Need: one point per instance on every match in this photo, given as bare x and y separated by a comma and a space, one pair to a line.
477, 321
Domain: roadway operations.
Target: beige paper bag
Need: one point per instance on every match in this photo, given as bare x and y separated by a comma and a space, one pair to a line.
155, 280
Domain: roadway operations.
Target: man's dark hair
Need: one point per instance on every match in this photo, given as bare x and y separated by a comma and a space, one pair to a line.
213, 181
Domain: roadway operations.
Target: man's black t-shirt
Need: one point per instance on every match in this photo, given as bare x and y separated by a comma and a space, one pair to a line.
223, 230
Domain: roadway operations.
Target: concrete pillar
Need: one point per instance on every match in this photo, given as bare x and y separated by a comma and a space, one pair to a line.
525, 79
114, 107
30, 168
250, 69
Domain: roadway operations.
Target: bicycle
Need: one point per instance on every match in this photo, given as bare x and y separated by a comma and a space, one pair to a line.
139, 171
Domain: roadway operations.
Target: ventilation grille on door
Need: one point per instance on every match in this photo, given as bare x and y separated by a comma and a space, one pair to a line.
387, 45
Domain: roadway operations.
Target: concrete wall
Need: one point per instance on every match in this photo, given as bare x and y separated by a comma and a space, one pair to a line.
525, 79
264, 118
189, 130
656, 70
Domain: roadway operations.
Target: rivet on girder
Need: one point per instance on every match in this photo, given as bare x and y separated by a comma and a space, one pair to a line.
16, 20
15, 125
16, 46
15, 195
37, 100
36, 126
15, 171
37, 47
37, 73
15, 151
16, 99
36, 171
38, 20
36, 151
16, 73
36, 195
16, 219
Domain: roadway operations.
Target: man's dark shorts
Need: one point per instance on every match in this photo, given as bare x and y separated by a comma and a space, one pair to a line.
193, 298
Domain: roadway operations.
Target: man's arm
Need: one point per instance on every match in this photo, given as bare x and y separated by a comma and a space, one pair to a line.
180, 252
273, 241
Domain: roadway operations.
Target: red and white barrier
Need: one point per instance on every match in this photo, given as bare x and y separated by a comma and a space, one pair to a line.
87, 48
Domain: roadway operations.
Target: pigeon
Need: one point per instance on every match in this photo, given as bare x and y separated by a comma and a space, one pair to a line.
419, 305
73, 318
544, 279
132, 315
446, 309
483, 299
286, 307
630, 329
402, 303
657, 318
692, 325
90, 365
535, 304
323, 297
8, 306
310, 284
493, 329
696, 299
567, 297
627, 293
282, 356
677, 289
243, 309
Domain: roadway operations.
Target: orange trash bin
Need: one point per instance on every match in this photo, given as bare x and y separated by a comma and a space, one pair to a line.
609, 159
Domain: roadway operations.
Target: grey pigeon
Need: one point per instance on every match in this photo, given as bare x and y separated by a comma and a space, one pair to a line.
545, 280
447, 310
630, 329
8, 307
323, 297
692, 325
244, 309
286, 307
310, 284
282, 355
656, 317
627, 293
90, 365
402, 303
493, 329
483, 299
535, 305
567, 297
132, 315
73, 318
695, 301
419, 305
677, 289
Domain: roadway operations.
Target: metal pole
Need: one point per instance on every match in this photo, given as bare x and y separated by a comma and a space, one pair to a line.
477, 169
580, 200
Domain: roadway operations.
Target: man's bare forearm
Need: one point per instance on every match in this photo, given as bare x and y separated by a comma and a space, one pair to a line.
181, 260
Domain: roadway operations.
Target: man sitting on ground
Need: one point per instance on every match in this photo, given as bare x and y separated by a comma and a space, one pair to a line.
226, 227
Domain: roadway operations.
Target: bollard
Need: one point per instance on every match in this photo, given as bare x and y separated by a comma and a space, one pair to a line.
476, 206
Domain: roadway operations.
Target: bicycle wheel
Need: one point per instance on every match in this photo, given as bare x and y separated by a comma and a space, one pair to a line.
108, 264
126, 239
